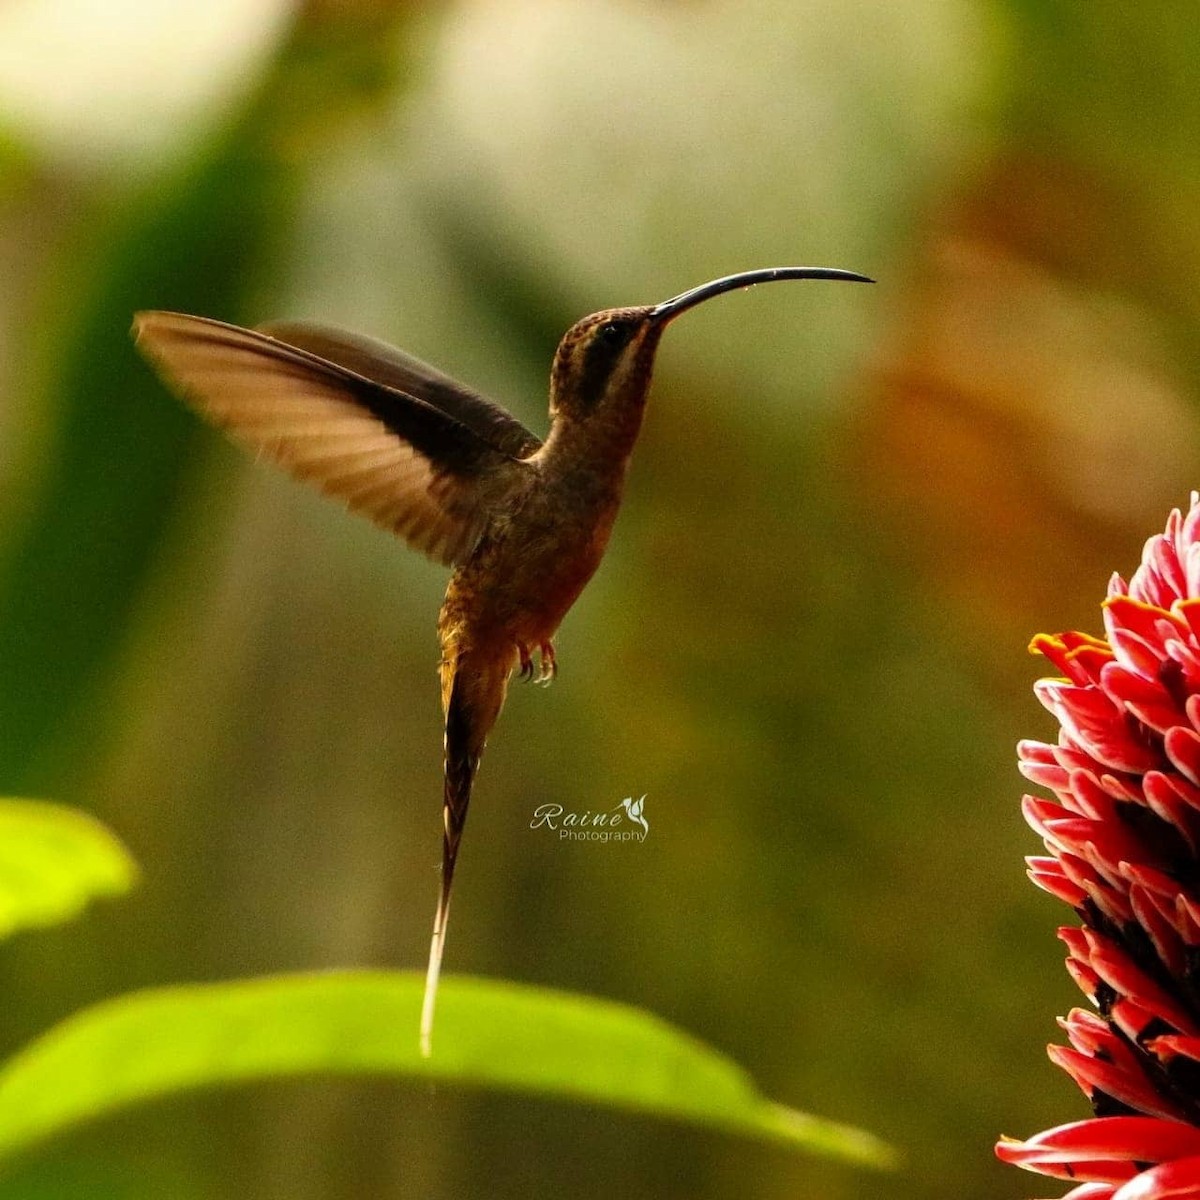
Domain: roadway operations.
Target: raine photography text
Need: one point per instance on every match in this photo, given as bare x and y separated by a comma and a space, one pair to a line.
606, 825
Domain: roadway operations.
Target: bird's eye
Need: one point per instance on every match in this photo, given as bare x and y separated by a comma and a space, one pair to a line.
611, 333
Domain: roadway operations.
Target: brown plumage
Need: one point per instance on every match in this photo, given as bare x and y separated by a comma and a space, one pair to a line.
523, 523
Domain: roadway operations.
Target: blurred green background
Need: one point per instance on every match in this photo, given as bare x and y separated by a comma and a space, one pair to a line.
849, 511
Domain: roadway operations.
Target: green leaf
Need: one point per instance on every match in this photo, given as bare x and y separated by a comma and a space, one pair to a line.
489, 1033
53, 860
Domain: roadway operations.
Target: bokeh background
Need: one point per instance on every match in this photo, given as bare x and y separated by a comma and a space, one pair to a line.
849, 511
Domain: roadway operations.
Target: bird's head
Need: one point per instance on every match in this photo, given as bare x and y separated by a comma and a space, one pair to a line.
605, 360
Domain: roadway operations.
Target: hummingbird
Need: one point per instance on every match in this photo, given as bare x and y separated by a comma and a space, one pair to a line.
523, 522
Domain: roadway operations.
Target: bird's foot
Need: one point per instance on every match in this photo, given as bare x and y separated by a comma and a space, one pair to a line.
526, 661
549, 665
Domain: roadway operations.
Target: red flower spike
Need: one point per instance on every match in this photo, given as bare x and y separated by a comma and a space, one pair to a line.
1122, 836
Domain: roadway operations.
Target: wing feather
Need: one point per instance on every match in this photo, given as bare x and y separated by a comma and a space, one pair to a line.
376, 360
408, 465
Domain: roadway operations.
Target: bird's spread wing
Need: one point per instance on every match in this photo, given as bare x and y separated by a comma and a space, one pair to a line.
377, 360
408, 465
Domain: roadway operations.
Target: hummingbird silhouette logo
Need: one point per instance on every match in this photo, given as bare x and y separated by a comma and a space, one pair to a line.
634, 810
524, 523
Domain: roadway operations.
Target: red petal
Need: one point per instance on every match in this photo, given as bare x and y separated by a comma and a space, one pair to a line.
1174, 1045
1183, 749
1189, 610
1091, 795
1085, 978
1125, 787
1160, 579
1132, 1020
1167, 801
1085, 1023
1132, 651
1075, 941
1115, 967
1189, 910
1184, 653
1161, 781
1079, 656
1047, 775
1092, 721
1129, 1087
1077, 870
1037, 811
1189, 532
1103, 844
1151, 623
1152, 880
1112, 903
1047, 873
1105, 1140
1168, 945
1147, 699
1176, 1180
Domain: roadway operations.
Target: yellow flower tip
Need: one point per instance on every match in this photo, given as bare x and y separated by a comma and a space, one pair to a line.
1044, 641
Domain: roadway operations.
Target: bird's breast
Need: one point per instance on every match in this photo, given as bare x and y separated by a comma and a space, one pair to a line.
532, 564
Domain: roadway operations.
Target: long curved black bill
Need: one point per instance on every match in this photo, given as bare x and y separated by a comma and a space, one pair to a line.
669, 309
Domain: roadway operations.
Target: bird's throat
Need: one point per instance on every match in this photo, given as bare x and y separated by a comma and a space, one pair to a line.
597, 445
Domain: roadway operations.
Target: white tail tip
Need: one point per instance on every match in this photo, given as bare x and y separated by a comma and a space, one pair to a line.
431, 986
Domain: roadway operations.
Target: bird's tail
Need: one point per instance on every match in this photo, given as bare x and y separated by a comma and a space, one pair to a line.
472, 694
